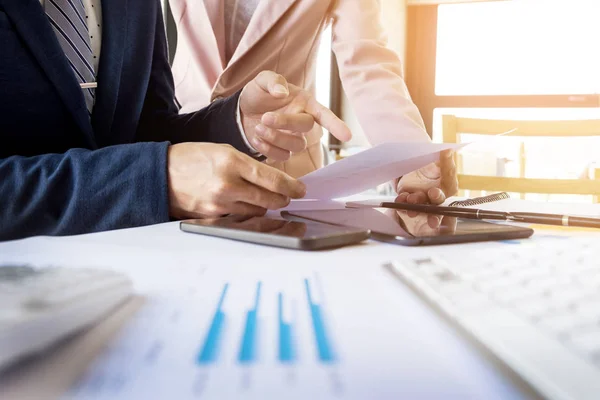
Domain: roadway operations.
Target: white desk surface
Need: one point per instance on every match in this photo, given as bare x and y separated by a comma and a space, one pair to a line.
390, 343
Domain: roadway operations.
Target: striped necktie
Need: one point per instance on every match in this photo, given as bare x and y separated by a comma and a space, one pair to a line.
67, 18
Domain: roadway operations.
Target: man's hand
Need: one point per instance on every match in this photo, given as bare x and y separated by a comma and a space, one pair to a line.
430, 184
210, 180
277, 114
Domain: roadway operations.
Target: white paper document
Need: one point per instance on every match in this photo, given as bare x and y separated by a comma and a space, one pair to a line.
227, 320
286, 329
372, 167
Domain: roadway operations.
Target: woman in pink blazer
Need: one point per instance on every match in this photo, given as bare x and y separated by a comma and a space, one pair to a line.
223, 44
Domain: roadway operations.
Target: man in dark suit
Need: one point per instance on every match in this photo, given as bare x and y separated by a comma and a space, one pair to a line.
76, 159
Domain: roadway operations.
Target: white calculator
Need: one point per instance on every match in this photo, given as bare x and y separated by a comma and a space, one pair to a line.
41, 306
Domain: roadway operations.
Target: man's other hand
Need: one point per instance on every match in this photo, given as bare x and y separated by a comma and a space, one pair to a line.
430, 184
276, 115
211, 180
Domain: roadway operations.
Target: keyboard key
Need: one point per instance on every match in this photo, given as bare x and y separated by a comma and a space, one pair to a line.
526, 273
511, 294
470, 302
590, 278
483, 274
500, 283
560, 323
588, 308
533, 308
547, 283
565, 297
457, 285
587, 342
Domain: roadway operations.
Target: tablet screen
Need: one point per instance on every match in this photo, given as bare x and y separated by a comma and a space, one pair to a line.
404, 224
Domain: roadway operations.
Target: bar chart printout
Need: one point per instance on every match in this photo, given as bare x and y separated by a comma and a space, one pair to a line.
248, 350
208, 353
287, 340
322, 340
287, 353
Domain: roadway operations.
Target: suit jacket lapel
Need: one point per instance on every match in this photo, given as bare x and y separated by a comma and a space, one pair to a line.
114, 32
266, 15
32, 25
215, 14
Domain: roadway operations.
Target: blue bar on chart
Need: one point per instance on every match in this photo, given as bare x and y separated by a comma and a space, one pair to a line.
324, 347
248, 349
210, 348
287, 353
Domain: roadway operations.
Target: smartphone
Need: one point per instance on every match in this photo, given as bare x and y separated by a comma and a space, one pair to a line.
301, 235
411, 228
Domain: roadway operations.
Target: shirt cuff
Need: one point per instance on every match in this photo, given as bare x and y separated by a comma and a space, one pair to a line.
238, 118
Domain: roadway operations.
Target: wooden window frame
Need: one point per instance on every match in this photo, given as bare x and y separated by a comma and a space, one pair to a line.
420, 75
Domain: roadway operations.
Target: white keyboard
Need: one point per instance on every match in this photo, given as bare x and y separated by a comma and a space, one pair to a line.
537, 310
42, 306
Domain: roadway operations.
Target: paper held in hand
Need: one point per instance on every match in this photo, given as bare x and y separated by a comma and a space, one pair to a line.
372, 167
382, 163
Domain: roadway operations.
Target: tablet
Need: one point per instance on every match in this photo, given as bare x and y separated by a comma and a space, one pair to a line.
413, 229
301, 235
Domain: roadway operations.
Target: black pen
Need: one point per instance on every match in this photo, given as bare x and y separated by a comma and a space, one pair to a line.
472, 213
460, 212
555, 219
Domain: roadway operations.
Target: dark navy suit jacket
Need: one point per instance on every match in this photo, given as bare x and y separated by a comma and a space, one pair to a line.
62, 173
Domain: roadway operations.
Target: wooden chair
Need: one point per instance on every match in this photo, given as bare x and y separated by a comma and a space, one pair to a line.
454, 126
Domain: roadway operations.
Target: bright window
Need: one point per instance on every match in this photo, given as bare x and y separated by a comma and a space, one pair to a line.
518, 47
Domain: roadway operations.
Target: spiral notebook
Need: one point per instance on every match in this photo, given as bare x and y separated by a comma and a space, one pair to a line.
480, 200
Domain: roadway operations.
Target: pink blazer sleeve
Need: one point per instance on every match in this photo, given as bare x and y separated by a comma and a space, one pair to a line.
371, 74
